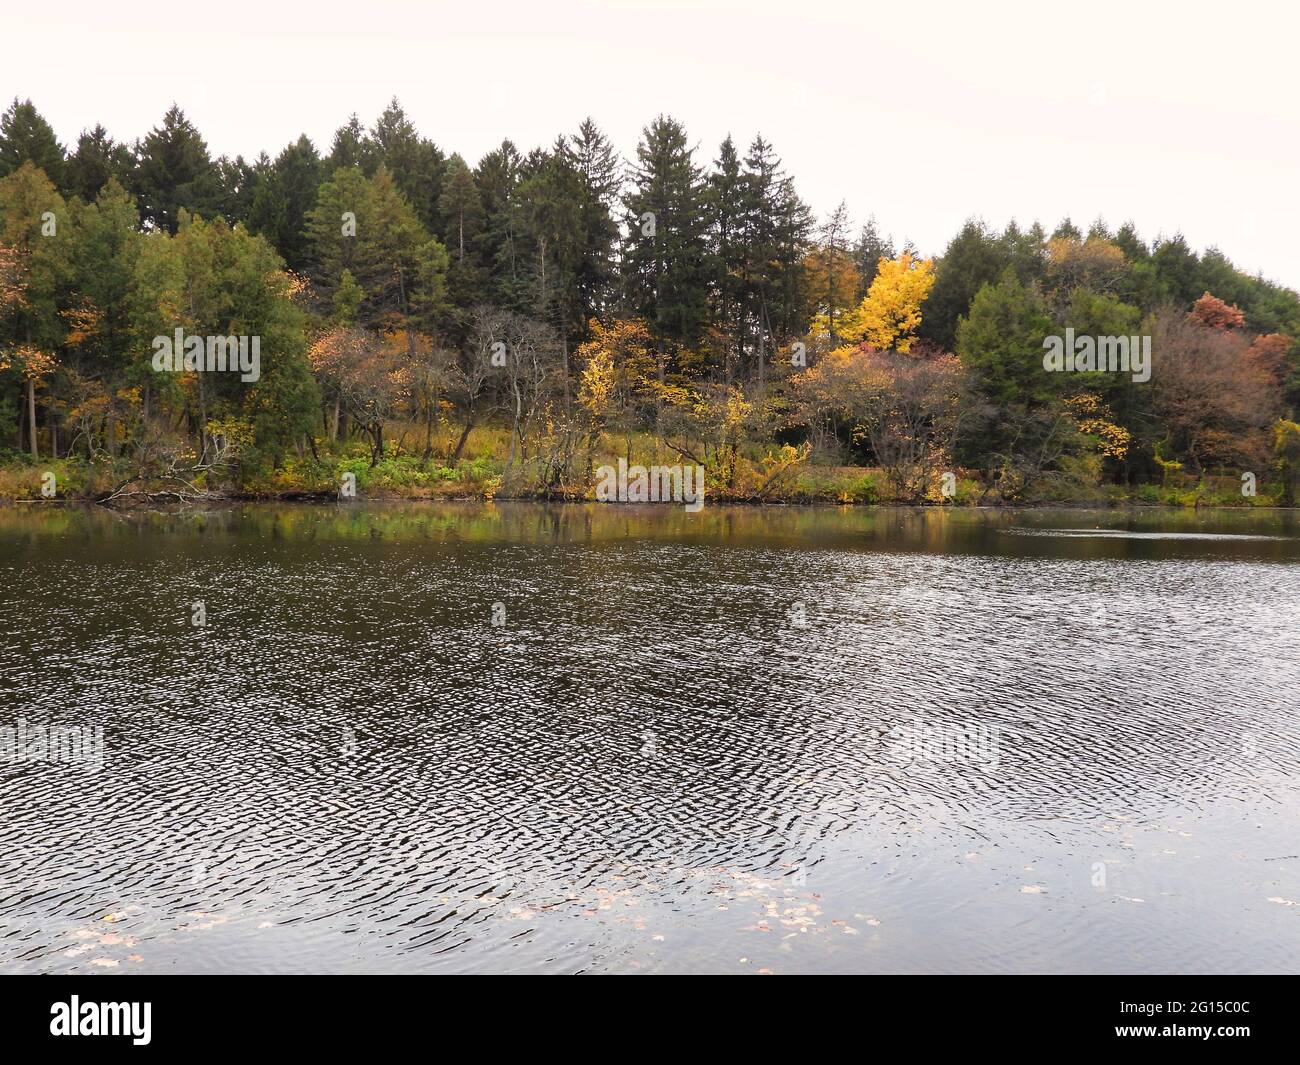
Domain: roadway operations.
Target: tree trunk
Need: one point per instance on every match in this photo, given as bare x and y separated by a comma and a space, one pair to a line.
31, 417
460, 444
428, 433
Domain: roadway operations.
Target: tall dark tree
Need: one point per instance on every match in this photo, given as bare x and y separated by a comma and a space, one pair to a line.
592, 157
461, 208
286, 191
349, 147
26, 137
975, 257
777, 231
500, 239
726, 204
238, 181
174, 171
1178, 268
97, 159
551, 195
1067, 230
871, 247
791, 304
664, 253
417, 164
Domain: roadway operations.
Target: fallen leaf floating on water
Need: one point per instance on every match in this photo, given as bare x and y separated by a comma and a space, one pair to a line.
1032, 889
106, 963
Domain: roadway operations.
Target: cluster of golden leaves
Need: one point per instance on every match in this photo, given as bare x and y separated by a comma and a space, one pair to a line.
1094, 418
890, 313
83, 322
33, 363
11, 280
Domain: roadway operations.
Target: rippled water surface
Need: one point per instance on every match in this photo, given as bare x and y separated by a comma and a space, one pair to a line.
611, 739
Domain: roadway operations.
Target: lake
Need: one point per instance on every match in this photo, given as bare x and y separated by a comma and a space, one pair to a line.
520, 738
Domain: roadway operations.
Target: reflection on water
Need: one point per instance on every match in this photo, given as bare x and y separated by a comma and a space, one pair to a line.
785, 739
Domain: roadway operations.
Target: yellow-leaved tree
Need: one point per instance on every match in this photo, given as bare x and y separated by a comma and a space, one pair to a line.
890, 313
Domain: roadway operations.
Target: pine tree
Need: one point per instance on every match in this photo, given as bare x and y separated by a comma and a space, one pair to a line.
174, 171
416, 164
592, 157
551, 197
500, 249
867, 253
835, 253
461, 208
974, 258
1001, 343
777, 232
726, 203
238, 180
286, 191
26, 137
97, 159
664, 253
366, 228
349, 147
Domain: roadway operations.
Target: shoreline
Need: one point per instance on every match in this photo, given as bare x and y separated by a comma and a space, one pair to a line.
324, 499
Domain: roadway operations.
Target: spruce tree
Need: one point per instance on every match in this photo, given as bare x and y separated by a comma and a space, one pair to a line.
26, 137
174, 171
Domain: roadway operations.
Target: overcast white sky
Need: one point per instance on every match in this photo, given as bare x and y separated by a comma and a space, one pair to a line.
1175, 115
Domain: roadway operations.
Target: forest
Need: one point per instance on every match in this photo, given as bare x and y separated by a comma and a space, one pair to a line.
436, 328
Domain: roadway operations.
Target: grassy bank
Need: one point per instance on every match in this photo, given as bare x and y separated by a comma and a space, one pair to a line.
483, 472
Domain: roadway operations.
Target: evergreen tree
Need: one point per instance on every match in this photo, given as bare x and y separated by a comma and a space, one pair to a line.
592, 157
365, 228
416, 164
551, 197
777, 232
726, 201
869, 250
1001, 343
461, 208
665, 249
26, 137
500, 239
286, 191
238, 181
173, 171
974, 258
349, 147
97, 159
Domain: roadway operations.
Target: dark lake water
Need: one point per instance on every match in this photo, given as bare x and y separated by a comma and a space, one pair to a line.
613, 739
